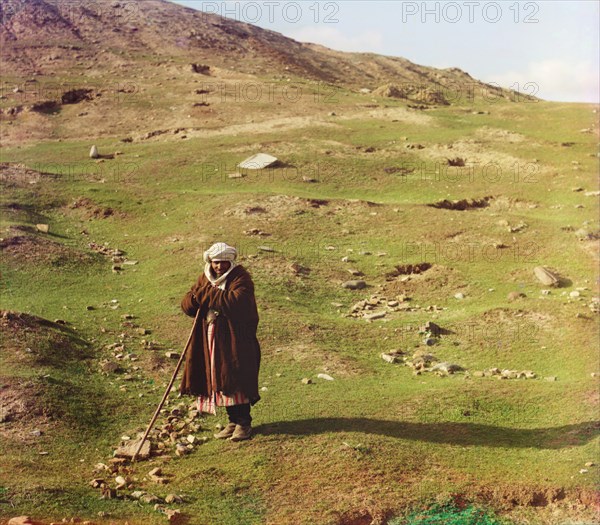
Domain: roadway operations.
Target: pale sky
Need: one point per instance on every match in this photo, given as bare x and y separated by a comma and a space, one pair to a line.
552, 44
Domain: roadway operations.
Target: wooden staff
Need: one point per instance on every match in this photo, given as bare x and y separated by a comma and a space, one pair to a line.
159, 408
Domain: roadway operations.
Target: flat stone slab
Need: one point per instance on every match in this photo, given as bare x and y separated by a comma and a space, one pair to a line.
128, 450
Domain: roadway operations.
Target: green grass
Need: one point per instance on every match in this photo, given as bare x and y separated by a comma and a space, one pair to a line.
449, 515
411, 437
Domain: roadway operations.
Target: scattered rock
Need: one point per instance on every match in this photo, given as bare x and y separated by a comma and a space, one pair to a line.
150, 499
392, 357
156, 476
256, 231
202, 69
120, 481
94, 153
446, 368
44, 228
298, 269
97, 483
23, 520
325, 376
550, 378
181, 449
172, 515
173, 498
128, 450
306, 381
110, 367
354, 285
545, 276
374, 316
513, 296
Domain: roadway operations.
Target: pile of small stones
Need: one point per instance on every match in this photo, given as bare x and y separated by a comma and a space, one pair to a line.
117, 256
422, 361
114, 478
378, 306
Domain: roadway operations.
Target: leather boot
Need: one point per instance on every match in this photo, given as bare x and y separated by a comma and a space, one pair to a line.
226, 432
241, 432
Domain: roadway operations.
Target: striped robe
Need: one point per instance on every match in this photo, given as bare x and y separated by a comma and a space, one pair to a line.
210, 403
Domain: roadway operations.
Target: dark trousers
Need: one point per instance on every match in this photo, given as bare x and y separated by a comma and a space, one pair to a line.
239, 414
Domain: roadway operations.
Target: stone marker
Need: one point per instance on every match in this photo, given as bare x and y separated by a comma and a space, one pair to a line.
258, 162
545, 276
94, 153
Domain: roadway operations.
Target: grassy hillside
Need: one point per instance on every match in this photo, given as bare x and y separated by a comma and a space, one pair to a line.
376, 442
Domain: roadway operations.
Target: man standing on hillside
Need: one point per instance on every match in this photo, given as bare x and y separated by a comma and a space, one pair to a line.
223, 359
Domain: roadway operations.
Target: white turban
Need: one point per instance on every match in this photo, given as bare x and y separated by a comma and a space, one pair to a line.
219, 251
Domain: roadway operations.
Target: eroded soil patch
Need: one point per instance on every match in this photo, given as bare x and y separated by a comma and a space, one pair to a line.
20, 175
408, 269
36, 249
32, 339
92, 211
463, 204
427, 283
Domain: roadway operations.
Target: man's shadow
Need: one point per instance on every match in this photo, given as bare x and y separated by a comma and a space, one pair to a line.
452, 433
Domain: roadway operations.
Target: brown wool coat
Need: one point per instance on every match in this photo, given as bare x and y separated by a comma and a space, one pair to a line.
237, 350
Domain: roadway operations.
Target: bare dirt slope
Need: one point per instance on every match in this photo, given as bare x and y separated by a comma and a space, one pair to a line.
48, 36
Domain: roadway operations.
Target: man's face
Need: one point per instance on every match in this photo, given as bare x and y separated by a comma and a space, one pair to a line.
220, 267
